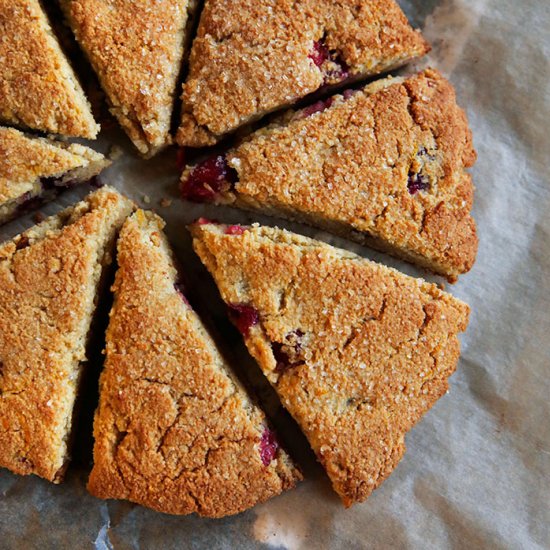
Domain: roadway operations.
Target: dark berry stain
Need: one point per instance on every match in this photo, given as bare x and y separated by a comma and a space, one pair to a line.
243, 316
321, 105
268, 446
208, 179
338, 70
349, 93
288, 354
317, 107
180, 289
417, 182
319, 54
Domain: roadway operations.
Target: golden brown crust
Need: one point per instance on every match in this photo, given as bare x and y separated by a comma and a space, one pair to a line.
24, 159
174, 431
136, 48
251, 58
38, 88
357, 352
349, 169
48, 283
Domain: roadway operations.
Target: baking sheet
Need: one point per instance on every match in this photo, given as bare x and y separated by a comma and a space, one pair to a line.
477, 470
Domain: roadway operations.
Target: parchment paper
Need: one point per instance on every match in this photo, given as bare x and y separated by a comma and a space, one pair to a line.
477, 470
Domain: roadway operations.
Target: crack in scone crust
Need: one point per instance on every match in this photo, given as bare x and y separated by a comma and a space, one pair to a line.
174, 430
376, 346
250, 58
388, 162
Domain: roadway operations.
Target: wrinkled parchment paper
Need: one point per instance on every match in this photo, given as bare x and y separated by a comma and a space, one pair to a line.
477, 470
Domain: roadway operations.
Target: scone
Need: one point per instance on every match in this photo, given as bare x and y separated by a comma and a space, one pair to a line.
49, 279
38, 88
357, 352
385, 166
251, 58
136, 48
34, 170
174, 430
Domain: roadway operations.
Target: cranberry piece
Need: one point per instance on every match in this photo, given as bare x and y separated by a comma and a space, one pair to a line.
180, 159
317, 107
208, 179
417, 182
180, 289
268, 446
206, 221
319, 54
281, 356
287, 354
235, 230
349, 93
244, 317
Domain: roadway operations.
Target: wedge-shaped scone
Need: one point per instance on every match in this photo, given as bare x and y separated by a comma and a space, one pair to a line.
358, 352
38, 88
34, 170
251, 58
384, 166
49, 279
174, 430
136, 48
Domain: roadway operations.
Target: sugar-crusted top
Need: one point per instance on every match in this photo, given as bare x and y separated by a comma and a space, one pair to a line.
356, 351
136, 48
250, 58
48, 284
388, 162
23, 159
174, 430
38, 88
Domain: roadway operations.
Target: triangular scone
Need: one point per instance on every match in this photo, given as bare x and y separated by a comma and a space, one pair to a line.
385, 166
34, 170
49, 280
357, 352
174, 430
38, 88
251, 58
136, 49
